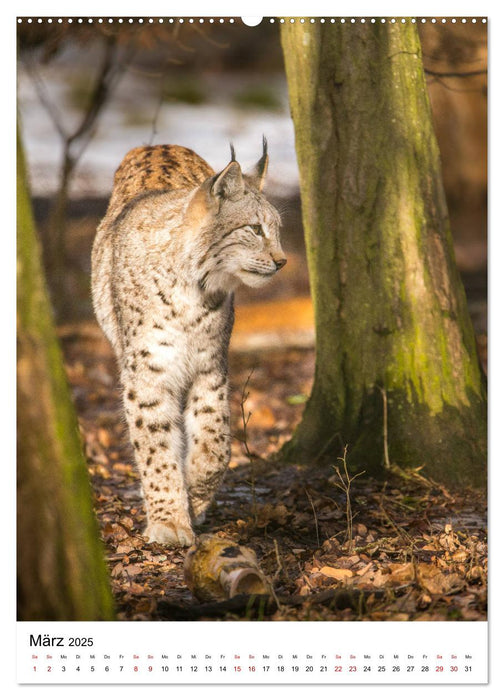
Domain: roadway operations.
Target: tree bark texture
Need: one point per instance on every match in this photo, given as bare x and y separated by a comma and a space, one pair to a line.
62, 573
396, 362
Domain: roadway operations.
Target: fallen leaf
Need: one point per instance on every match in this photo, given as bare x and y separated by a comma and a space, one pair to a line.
437, 582
338, 574
365, 569
378, 578
460, 555
402, 573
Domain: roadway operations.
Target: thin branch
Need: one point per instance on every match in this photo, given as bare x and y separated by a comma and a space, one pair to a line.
157, 111
315, 517
397, 528
455, 74
447, 59
345, 486
213, 42
100, 91
244, 397
451, 88
444, 74
279, 562
385, 428
250, 456
108, 77
45, 101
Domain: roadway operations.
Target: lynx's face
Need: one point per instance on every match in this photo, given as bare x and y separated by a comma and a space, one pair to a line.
248, 242
245, 242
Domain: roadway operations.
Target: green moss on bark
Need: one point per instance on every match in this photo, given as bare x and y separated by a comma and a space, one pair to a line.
390, 309
61, 568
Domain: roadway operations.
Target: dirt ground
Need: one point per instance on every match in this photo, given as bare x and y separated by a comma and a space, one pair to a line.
401, 549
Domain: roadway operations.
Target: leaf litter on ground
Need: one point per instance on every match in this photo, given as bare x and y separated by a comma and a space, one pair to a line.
418, 551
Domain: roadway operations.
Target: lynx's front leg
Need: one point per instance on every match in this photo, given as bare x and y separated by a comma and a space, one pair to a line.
208, 439
155, 425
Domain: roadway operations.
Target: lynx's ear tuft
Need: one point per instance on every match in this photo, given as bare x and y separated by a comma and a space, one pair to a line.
229, 183
258, 175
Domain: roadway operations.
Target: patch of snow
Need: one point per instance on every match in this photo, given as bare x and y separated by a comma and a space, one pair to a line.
127, 121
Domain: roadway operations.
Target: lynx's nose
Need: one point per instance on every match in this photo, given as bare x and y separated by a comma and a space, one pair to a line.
280, 263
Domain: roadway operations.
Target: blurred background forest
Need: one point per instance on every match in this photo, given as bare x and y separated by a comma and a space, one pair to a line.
202, 86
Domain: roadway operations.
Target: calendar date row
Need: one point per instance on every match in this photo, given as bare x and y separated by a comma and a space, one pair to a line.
306, 668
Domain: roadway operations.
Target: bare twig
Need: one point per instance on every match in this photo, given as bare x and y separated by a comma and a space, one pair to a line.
315, 517
385, 428
459, 61
250, 456
279, 562
245, 420
345, 486
398, 529
413, 474
45, 100
157, 111
213, 42
109, 75
455, 74
437, 79
277, 573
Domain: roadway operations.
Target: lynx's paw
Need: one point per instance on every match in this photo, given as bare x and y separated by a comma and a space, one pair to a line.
169, 534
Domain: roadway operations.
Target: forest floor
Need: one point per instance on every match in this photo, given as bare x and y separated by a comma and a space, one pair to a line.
411, 550
408, 548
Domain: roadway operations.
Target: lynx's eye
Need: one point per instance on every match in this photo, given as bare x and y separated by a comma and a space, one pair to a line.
257, 229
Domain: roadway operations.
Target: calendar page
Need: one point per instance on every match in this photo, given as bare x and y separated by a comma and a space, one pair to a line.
252, 302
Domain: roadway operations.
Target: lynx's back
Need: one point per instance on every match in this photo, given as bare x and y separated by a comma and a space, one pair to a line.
144, 170
155, 169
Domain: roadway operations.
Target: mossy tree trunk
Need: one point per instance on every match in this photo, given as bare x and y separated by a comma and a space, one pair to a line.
396, 363
61, 568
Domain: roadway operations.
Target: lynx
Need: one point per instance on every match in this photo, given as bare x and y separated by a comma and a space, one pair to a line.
176, 241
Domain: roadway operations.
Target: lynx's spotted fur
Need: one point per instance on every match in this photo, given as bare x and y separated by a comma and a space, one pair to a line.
176, 241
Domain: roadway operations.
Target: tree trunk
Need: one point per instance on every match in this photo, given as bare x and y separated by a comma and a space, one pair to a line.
61, 569
397, 375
